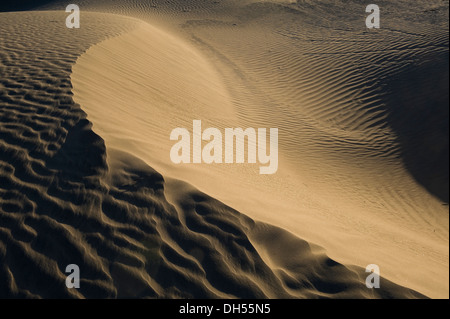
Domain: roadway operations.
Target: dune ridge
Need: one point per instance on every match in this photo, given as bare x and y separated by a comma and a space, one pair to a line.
66, 198
97, 189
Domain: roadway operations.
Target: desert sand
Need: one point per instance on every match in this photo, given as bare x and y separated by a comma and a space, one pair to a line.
86, 178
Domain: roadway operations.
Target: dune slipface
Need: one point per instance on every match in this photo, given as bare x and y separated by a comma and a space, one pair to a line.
86, 178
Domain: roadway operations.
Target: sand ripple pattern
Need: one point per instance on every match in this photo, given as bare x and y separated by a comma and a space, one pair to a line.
65, 198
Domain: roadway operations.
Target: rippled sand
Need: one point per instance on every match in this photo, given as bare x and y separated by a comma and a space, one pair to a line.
86, 178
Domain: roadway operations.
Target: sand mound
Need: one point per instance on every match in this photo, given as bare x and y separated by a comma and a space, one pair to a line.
107, 198
66, 199
347, 161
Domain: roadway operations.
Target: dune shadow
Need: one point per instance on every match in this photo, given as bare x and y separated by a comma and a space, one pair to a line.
22, 5
418, 113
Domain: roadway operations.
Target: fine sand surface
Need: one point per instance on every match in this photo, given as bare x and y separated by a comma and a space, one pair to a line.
86, 178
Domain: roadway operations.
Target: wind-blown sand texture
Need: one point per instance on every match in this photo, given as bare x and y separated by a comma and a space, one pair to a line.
86, 178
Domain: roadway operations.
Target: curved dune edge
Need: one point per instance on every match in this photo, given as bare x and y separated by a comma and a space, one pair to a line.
67, 199
299, 270
136, 116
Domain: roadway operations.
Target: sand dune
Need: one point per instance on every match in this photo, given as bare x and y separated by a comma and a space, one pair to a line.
363, 172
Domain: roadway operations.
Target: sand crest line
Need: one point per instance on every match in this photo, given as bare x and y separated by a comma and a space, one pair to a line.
358, 189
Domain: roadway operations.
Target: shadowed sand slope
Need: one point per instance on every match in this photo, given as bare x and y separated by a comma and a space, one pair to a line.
356, 175
22, 5
68, 199
362, 169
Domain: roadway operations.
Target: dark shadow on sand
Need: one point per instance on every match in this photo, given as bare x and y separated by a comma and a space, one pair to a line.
419, 107
22, 5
